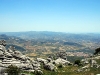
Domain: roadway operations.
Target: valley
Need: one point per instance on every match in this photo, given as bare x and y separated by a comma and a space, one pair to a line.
41, 44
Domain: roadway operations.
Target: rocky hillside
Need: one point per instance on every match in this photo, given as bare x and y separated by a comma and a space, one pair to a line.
11, 56
57, 64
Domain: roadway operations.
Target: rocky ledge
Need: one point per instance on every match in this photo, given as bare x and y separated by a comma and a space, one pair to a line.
11, 56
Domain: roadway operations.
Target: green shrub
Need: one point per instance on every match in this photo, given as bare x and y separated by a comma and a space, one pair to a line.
97, 51
13, 70
78, 62
38, 73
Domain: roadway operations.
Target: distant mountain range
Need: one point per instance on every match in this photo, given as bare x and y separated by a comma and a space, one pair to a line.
53, 35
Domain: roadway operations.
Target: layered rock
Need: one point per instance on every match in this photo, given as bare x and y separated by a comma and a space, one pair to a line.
14, 57
61, 61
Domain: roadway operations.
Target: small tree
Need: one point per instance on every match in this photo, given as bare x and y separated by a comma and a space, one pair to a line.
13, 70
97, 51
78, 62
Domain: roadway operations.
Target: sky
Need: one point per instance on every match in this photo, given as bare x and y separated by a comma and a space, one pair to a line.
72, 16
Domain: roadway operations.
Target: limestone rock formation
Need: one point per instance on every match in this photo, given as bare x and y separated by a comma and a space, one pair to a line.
61, 54
61, 61
50, 66
14, 57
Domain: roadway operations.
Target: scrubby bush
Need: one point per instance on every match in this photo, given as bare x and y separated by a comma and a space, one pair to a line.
78, 62
97, 51
13, 70
38, 73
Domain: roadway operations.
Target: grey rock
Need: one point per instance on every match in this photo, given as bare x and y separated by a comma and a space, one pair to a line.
7, 54
36, 65
18, 53
49, 60
3, 42
42, 60
85, 61
93, 62
61, 61
10, 51
50, 67
85, 68
61, 54
2, 48
1, 53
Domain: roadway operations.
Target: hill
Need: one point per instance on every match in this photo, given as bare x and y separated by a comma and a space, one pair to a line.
53, 35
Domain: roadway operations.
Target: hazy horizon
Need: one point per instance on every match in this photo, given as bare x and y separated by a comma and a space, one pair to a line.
70, 16
51, 31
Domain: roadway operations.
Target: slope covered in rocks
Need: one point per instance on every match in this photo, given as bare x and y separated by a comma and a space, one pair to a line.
57, 64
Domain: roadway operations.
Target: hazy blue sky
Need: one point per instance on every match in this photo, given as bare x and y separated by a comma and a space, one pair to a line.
50, 15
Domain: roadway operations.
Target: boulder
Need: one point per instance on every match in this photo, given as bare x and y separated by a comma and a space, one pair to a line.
42, 60
3, 42
7, 54
61, 54
1, 53
50, 66
36, 64
2, 48
49, 60
85, 61
93, 62
61, 61
17, 53
95, 65
24, 66
85, 68
10, 51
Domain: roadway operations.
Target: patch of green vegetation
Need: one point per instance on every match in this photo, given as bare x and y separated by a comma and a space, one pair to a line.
73, 58
98, 61
16, 47
71, 70
13, 70
97, 51
28, 73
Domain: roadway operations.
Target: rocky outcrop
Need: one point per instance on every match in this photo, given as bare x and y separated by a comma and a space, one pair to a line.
36, 65
61, 54
50, 66
44, 61
11, 56
61, 61
89, 62
14, 57
84, 68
